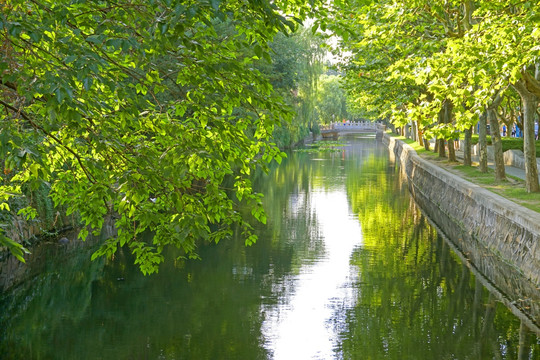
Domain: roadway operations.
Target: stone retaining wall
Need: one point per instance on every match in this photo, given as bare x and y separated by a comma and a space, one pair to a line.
517, 159
467, 212
511, 157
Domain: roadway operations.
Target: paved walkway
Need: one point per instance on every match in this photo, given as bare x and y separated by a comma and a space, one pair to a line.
510, 170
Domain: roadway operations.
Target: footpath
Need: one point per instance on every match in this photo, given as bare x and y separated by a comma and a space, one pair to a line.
516, 171
509, 169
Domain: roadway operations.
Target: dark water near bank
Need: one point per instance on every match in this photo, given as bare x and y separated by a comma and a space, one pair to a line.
347, 268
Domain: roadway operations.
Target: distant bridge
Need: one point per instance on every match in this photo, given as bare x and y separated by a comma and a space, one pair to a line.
332, 130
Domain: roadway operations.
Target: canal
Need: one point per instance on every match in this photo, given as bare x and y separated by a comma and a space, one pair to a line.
347, 267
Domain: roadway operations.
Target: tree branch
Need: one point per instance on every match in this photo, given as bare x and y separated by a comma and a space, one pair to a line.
17, 111
531, 83
8, 84
38, 127
520, 87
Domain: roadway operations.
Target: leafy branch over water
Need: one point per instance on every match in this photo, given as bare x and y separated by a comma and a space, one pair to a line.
143, 110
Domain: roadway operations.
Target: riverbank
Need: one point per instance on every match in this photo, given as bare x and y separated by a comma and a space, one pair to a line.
496, 206
513, 188
44, 249
497, 236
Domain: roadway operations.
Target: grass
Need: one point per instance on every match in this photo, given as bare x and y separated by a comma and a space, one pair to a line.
512, 189
416, 146
473, 175
520, 196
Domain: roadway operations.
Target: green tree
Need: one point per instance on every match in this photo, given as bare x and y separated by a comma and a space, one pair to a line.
410, 58
294, 72
331, 100
83, 87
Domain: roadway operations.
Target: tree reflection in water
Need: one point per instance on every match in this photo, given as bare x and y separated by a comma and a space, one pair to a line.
345, 246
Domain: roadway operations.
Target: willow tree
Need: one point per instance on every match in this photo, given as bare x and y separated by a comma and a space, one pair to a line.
331, 100
294, 72
84, 112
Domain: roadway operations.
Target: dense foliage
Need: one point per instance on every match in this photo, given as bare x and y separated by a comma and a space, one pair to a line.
441, 65
294, 72
159, 111
143, 109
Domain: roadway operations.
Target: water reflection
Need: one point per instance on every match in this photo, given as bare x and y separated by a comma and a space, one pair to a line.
319, 283
301, 326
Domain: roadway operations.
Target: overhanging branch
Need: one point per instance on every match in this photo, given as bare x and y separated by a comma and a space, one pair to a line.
40, 128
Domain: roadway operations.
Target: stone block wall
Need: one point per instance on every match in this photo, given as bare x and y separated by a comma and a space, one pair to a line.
467, 212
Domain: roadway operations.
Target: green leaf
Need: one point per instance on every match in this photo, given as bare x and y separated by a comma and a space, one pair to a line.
148, 115
258, 51
70, 59
87, 83
215, 4
95, 39
15, 248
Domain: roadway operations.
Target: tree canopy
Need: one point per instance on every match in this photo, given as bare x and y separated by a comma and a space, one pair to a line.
442, 65
331, 100
151, 110
157, 112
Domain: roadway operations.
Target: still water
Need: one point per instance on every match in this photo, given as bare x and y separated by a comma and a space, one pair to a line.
346, 268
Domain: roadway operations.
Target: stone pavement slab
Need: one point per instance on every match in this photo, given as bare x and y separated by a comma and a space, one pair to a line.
510, 170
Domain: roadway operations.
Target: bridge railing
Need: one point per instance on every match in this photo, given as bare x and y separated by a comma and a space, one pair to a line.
354, 125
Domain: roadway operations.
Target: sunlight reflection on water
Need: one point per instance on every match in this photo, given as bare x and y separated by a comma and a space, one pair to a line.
303, 324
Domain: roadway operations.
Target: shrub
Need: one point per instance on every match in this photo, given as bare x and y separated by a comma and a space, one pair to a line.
508, 143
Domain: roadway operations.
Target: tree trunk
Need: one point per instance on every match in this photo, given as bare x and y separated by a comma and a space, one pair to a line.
482, 143
500, 174
440, 143
414, 131
419, 134
448, 120
467, 158
441, 148
407, 131
426, 143
451, 151
530, 103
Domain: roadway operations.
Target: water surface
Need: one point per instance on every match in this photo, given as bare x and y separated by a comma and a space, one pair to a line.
346, 268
